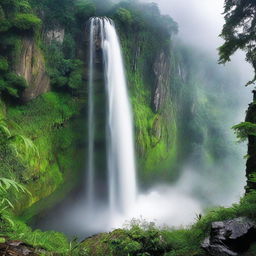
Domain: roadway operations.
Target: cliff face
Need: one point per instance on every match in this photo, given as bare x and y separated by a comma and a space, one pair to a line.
162, 73
251, 161
149, 78
31, 66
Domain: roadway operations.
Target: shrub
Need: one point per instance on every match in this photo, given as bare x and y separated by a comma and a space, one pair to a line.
25, 21
4, 25
12, 92
124, 16
24, 6
16, 81
245, 129
84, 9
3, 64
2, 85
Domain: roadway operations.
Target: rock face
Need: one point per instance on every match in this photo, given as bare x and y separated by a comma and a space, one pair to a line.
57, 34
31, 66
230, 238
17, 248
162, 73
251, 161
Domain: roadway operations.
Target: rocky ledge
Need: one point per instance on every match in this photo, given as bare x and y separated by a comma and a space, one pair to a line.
231, 237
18, 248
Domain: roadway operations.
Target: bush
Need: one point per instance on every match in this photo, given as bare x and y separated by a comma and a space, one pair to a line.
245, 129
25, 21
3, 64
4, 25
2, 85
24, 6
84, 9
124, 16
16, 81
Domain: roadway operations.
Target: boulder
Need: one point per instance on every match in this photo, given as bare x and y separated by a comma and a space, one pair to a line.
231, 237
18, 248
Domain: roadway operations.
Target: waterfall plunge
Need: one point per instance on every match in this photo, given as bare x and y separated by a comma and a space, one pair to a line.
120, 146
172, 205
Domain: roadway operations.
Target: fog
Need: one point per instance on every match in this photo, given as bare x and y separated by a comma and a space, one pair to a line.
200, 23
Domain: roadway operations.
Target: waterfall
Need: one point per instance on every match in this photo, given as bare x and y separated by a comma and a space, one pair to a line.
121, 169
91, 123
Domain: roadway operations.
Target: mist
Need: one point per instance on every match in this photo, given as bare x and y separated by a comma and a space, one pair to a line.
200, 23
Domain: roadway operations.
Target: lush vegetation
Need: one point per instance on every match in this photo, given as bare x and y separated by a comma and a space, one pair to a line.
17, 20
140, 238
41, 142
239, 31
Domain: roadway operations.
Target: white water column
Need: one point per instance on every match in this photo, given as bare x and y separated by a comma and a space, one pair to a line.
121, 166
90, 177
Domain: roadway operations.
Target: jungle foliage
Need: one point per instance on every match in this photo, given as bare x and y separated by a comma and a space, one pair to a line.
17, 20
239, 31
41, 141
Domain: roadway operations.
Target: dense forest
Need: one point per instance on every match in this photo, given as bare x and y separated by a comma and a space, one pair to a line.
180, 110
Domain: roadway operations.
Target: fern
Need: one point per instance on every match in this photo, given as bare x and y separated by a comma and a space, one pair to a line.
23, 147
4, 129
5, 186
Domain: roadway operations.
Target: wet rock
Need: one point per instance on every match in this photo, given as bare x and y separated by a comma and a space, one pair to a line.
56, 34
16, 248
162, 72
31, 66
231, 237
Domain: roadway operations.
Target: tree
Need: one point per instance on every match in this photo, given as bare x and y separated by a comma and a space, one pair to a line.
26, 21
239, 31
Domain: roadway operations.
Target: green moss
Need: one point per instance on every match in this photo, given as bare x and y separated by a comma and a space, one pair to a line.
45, 122
15, 229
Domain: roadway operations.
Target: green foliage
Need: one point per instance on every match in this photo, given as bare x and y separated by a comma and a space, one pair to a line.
65, 74
44, 145
84, 9
139, 238
12, 85
243, 130
24, 6
26, 21
142, 238
139, 16
17, 230
3, 64
8, 188
16, 81
124, 16
239, 31
5, 25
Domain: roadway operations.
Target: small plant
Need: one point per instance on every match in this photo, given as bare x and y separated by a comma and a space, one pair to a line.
243, 130
5, 186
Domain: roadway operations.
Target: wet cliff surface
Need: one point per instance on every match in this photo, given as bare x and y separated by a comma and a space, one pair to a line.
31, 66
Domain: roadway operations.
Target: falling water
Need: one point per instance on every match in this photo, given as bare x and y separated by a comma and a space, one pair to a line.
120, 146
91, 123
